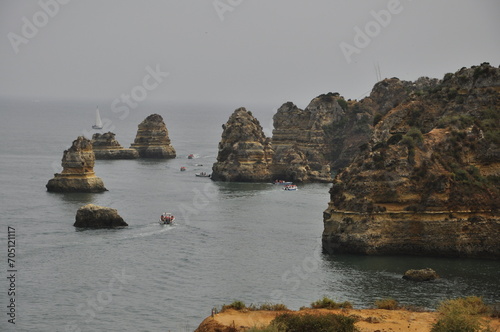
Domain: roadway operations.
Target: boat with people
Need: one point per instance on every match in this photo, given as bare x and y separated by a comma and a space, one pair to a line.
183, 169
203, 175
290, 187
191, 156
166, 219
282, 182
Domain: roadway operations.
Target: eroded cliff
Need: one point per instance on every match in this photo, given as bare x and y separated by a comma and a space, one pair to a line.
78, 170
106, 146
152, 139
427, 182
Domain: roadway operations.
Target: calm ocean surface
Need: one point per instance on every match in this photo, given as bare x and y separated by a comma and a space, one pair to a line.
250, 242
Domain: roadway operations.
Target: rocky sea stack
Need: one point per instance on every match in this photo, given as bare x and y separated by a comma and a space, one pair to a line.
244, 151
78, 170
94, 216
105, 146
152, 139
428, 180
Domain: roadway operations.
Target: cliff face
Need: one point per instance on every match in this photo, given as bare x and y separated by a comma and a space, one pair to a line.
299, 141
105, 146
427, 182
152, 139
78, 170
244, 152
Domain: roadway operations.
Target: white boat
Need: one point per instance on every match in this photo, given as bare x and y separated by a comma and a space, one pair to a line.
166, 219
290, 187
98, 122
202, 175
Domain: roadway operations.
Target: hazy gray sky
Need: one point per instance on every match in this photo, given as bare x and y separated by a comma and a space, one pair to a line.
235, 50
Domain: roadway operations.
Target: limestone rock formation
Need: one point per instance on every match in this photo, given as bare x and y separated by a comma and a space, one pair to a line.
301, 150
421, 275
78, 170
94, 216
152, 139
245, 153
105, 146
427, 181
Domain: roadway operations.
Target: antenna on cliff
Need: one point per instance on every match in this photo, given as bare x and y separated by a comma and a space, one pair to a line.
377, 72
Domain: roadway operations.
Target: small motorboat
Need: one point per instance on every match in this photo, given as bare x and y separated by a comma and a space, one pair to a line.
166, 219
191, 156
282, 182
290, 187
203, 175
183, 169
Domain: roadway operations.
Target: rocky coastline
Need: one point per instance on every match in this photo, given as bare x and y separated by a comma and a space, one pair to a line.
426, 183
367, 320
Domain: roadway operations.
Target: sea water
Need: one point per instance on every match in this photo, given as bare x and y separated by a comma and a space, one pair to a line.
233, 241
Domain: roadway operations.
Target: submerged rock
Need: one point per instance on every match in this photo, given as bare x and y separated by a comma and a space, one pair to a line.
421, 275
78, 170
105, 146
245, 153
94, 216
152, 139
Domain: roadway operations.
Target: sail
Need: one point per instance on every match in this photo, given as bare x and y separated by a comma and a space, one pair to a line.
98, 122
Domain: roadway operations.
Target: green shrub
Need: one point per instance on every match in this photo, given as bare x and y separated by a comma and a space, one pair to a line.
317, 323
447, 76
328, 303
452, 93
387, 304
236, 305
342, 103
408, 141
461, 315
416, 134
471, 305
460, 121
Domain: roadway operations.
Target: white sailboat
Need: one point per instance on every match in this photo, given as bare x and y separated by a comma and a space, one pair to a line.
98, 122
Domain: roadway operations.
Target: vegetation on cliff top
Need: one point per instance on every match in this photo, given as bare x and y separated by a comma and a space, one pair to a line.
438, 148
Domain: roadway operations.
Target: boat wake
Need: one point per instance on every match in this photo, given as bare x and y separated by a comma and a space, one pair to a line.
155, 229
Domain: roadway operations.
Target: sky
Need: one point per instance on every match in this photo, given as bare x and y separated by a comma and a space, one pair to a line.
242, 51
